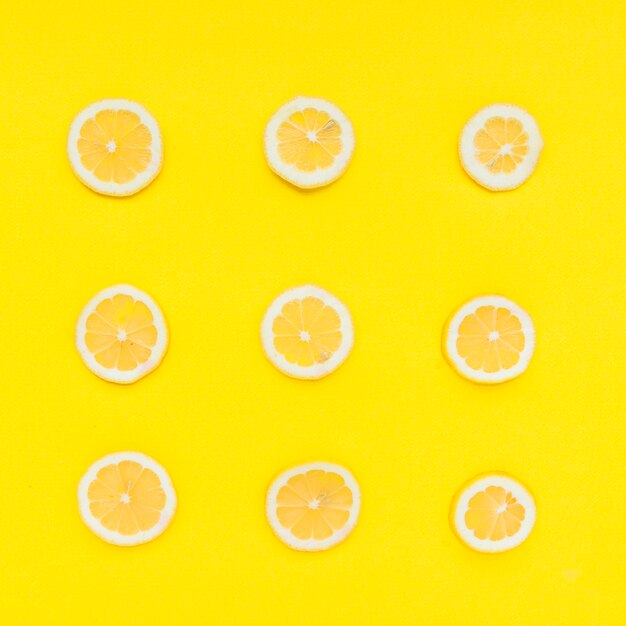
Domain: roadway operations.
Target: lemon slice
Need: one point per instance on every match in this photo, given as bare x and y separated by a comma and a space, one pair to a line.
493, 513
121, 334
114, 147
500, 146
489, 339
126, 498
309, 142
314, 506
307, 332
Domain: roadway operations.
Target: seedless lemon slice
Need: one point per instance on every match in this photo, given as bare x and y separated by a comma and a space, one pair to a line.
314, 506
489, 339
500, 146
493, 513
115, 147
126, 498
121, 334
309, 142
307, 332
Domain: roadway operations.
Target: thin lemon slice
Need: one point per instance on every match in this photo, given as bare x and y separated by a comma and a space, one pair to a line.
121, 334
500, 146
307, 332
489, 339
126, 498
114, 147
492, 513
314, 506
309, 142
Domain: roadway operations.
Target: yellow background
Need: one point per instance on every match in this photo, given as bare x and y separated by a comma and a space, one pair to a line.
402, 239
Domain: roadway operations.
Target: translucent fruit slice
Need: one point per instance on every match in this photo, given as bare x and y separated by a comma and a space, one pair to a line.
126, 498
307, 332
489, 339
492, 513
309, 142
500, 146
114, 147
314, 506
121, 334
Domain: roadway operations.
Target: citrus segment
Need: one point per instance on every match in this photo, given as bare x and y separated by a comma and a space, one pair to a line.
121, 334
500, 146
307, 332
313, 506
114, 147
309, 142
493, 513
489, 339
126, 498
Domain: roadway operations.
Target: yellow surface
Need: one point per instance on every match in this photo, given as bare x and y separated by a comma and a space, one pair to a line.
402, 238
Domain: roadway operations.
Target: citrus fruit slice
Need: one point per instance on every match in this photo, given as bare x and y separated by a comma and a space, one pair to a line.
307, 332
500, 146
126, 498
489, 339
314, 506
309, 142
493, 513
114, 147
121, 334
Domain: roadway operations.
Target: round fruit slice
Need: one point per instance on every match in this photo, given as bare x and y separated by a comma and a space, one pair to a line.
307, 332
121, 334
126, 498
314, 506
489, 339
309, 142
500, 146
115, 147
493, 513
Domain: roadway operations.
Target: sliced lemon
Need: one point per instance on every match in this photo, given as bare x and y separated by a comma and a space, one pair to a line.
309, 142
492, 513
500, 146
126, 498
314, 506
121, 334
489, 339
307, 332
114, 147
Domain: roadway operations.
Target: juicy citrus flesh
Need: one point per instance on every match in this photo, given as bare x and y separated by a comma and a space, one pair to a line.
121, 333
501, 144
307, 331
494, 514
309, 140
115, 145
314, 505
126, 498
490, 339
